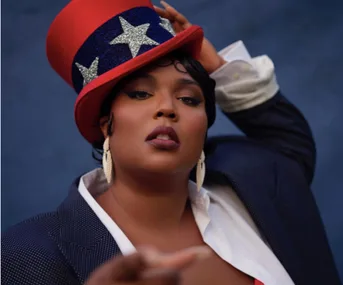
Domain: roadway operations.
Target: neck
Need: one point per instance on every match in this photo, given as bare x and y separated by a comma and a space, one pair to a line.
151, 201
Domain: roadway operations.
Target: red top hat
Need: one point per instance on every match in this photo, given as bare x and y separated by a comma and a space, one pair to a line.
92, 44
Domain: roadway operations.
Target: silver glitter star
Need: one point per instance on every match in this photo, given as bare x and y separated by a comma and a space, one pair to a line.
90, 73
167, 25
135, 37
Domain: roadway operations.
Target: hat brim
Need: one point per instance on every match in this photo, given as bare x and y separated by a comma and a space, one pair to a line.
91, 97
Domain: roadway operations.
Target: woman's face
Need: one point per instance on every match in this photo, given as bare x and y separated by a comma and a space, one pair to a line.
169, 99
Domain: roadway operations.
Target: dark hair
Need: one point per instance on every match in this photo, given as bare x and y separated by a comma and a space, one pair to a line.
193, 68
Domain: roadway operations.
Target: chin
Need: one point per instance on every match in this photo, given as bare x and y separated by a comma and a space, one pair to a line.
166, 163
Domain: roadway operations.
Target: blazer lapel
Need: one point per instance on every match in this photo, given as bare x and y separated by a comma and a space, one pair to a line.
84, 240
256, 185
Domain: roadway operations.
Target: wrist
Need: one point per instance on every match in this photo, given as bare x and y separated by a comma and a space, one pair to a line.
218, 64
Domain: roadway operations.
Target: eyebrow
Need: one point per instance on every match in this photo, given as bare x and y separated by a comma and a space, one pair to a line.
186, 81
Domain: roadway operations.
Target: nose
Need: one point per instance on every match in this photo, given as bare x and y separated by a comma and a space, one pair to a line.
167, 110
167, 113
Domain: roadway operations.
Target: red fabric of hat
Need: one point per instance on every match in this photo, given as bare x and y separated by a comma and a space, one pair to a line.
92, 44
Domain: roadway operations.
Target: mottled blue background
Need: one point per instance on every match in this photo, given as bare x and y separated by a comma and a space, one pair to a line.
42, 150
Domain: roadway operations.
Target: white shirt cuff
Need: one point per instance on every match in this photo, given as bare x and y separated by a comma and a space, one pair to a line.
243, 82
235, 51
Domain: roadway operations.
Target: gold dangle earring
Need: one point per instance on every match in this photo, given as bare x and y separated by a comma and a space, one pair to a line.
107, 163
200, 176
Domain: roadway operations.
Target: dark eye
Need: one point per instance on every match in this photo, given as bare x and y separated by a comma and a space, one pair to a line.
138, 95
190, 101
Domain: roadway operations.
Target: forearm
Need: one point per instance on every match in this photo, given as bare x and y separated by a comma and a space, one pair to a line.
248, 94
281, 126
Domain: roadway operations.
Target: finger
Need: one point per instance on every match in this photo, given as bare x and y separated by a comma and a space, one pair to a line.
123, 268
177, 27
128, 267
185, 258
178, 260
162, 13
181, 19
160, 276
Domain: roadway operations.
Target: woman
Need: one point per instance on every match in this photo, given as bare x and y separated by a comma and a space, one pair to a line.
147, 104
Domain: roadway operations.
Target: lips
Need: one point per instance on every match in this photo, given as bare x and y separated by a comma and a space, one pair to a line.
163, 138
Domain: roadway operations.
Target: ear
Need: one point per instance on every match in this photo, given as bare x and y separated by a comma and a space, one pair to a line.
104, 125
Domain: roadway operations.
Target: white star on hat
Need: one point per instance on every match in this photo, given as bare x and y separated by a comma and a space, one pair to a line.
165, 23
90, 73
133, 36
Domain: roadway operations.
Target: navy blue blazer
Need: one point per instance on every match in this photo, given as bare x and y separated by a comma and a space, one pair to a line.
270, 170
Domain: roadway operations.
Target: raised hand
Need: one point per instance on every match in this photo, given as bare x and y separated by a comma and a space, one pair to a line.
209, 57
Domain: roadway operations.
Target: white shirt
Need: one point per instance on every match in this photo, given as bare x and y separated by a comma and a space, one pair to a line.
222, 219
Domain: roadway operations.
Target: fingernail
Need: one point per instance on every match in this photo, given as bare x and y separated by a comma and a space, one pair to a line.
152, 259
200, 252
203, 253
151, 256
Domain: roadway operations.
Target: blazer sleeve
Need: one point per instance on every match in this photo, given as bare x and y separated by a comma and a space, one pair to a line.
30, 257
248, 94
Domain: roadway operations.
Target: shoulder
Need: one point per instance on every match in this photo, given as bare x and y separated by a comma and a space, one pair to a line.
36, 234
30, 253
245, 158
235, 148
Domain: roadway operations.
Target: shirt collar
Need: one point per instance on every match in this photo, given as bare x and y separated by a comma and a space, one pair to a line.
95, 182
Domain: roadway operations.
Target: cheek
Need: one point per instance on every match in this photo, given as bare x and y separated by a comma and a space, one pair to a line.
128, 117
194, 129
127, 129
124, 121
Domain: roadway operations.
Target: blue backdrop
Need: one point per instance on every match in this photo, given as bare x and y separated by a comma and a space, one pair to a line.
42, 150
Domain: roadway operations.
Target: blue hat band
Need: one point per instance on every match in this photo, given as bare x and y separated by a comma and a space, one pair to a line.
117, 41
